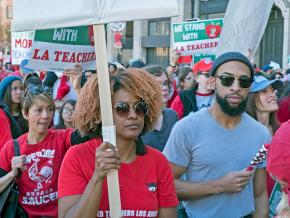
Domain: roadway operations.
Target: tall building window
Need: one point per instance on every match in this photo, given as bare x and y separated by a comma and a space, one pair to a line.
158, 51
127, 39
158, 56
159, 27
129, 29
211, 16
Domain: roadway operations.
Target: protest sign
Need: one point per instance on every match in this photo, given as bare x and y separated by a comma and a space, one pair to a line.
244, 25
274, 199
196, 37
36, 15
275, 65
199, 57
60, 48
21, 44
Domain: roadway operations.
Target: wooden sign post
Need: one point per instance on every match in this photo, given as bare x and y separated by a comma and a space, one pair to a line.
108, 128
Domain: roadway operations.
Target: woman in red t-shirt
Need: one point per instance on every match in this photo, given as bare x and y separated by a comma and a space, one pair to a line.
42, 151
145, 177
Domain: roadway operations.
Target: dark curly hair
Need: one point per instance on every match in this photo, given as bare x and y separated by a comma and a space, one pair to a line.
87, 115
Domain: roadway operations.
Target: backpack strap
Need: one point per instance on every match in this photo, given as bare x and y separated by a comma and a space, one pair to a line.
16, 148
17, 153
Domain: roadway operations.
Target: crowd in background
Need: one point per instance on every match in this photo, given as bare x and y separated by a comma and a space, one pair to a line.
55, 110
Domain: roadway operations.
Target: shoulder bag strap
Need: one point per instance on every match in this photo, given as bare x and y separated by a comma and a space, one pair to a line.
16, 148
17, 153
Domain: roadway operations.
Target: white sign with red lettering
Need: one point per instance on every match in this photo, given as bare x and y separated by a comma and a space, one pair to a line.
61, 48
21, 44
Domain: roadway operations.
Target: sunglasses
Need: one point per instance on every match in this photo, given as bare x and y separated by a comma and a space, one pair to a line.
36, 90
123, 108
227, 81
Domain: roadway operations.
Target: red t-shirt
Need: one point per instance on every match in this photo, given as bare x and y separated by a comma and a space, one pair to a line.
283, 113
38, 182
146, 184
177, 106
175, 93
4, 129
278, 160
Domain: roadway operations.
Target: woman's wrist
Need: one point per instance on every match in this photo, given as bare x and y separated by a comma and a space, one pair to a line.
12, 174
97, 179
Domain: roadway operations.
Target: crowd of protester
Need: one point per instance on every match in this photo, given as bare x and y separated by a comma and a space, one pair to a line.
185, 136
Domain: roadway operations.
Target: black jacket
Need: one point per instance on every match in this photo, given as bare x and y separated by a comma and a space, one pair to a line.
188, 99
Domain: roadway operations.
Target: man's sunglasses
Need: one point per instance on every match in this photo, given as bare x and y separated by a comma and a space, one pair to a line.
227, 81
36, 90
123, 108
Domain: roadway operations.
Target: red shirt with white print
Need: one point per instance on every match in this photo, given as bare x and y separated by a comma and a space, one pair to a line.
146, 184
38, 182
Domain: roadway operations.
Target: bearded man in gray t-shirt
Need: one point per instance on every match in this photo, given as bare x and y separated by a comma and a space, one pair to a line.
213, 147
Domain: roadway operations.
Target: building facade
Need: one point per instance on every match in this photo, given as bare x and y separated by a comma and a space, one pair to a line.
6, 16
150, 40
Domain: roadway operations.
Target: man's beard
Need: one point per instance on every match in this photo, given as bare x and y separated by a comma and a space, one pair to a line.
228, 109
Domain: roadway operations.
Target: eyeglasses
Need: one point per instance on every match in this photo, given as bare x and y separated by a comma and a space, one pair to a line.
227, 81
189, 77
36, 90
123, 108
67, 110
166, 83
206, 75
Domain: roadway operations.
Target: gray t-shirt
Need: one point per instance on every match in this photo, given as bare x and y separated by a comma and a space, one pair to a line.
158, 138
210, 151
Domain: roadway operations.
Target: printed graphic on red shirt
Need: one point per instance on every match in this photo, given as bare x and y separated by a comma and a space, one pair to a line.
39, 166
147, 208
129, 213
152, 187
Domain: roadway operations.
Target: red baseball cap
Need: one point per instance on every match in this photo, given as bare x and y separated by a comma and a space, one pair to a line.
202, 66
